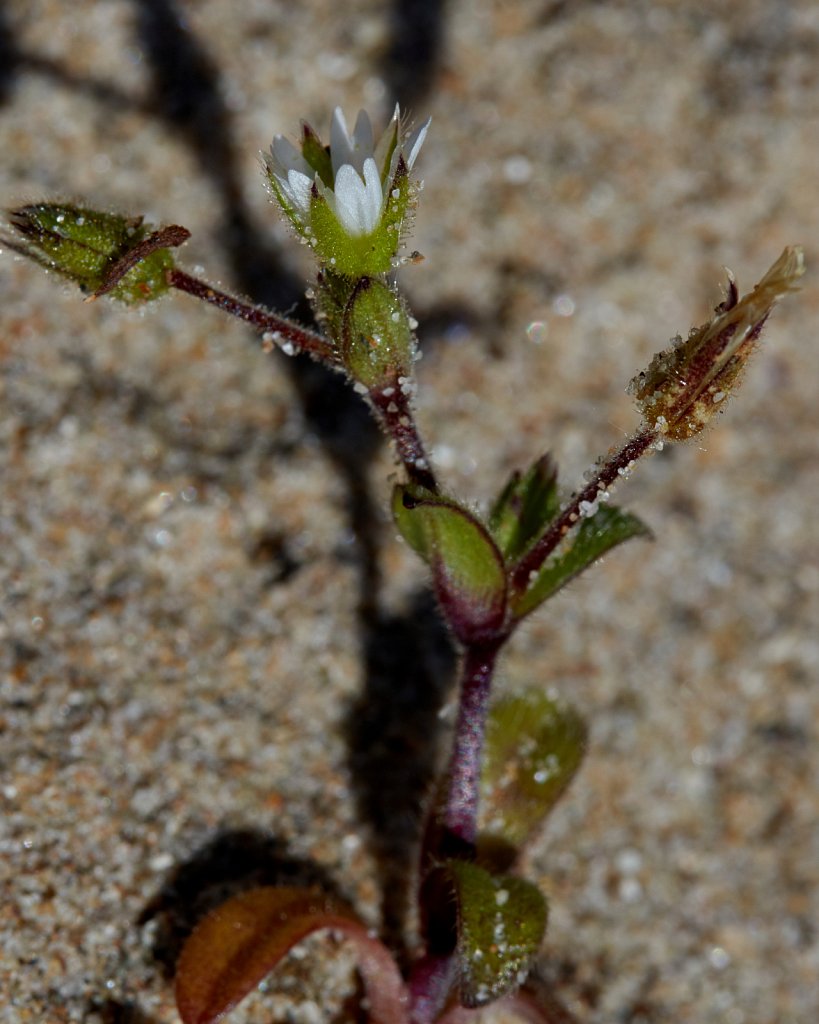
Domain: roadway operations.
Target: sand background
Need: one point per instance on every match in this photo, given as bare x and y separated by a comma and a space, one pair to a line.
219, 665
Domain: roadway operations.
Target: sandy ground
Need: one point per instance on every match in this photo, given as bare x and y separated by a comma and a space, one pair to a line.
218, 664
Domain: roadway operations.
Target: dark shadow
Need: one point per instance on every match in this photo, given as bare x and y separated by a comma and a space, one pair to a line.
392, 728
231, 863
413, 58
394, 731
14, 60
186, 94
116, 1011
9, 57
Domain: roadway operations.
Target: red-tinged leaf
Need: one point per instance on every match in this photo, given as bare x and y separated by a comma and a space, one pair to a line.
232, 949
467, 567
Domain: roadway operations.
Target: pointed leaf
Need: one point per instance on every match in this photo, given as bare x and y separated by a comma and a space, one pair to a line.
467, 568
597, 534
501, 923
525, 507
534, 746
232, 949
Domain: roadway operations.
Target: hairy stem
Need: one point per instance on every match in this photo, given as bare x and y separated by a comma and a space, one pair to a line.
394, 413
283, 331
429, 985
459, 816
610, 470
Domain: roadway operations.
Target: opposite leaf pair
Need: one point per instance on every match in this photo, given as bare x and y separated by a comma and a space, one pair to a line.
474, 564
483, 925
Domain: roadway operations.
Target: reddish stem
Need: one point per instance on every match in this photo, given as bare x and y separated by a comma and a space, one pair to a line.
460, 812
429, 986
284, 331
609, 471
393, 409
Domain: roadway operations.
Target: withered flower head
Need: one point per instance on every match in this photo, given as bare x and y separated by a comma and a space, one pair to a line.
687, 384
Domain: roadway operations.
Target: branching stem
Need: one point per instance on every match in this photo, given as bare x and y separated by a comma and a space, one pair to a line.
610, 470
284, 331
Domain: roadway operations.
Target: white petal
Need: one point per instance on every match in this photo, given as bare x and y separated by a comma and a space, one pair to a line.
375, 192
350, 149
413, 144
363, 134
285, 157
358, 202
341, 145
297, 189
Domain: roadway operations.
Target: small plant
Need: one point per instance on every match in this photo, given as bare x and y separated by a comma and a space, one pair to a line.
481, 924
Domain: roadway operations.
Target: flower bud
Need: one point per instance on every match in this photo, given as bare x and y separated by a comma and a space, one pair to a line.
377, 343
349, 201
104, 253
687, 384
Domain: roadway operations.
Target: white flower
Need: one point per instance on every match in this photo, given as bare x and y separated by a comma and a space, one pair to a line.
357, 179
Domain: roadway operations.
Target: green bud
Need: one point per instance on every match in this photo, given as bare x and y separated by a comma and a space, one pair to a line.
377, 343
104, 253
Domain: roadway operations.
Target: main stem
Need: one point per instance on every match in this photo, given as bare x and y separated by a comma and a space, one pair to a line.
460, 812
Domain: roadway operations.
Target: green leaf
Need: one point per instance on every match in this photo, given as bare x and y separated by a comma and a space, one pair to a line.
534, 746
467, 568
232, 949
596, 535
525, 507
501, 924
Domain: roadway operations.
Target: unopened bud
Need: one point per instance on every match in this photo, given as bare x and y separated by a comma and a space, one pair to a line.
104, 253
377, 339
685, 385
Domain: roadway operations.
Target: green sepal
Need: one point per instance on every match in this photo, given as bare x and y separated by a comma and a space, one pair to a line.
534, 747
501, 921
350, 255
84, 244
595, 536
467, 567
316, 154
525, 507
397, 203
377, 343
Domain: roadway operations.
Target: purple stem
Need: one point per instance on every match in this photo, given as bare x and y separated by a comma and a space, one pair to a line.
282, 329
429, 986
609, 472
394, 411
459, 817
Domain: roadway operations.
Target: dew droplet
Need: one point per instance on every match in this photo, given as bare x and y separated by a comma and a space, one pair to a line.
564, 305
536, 332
